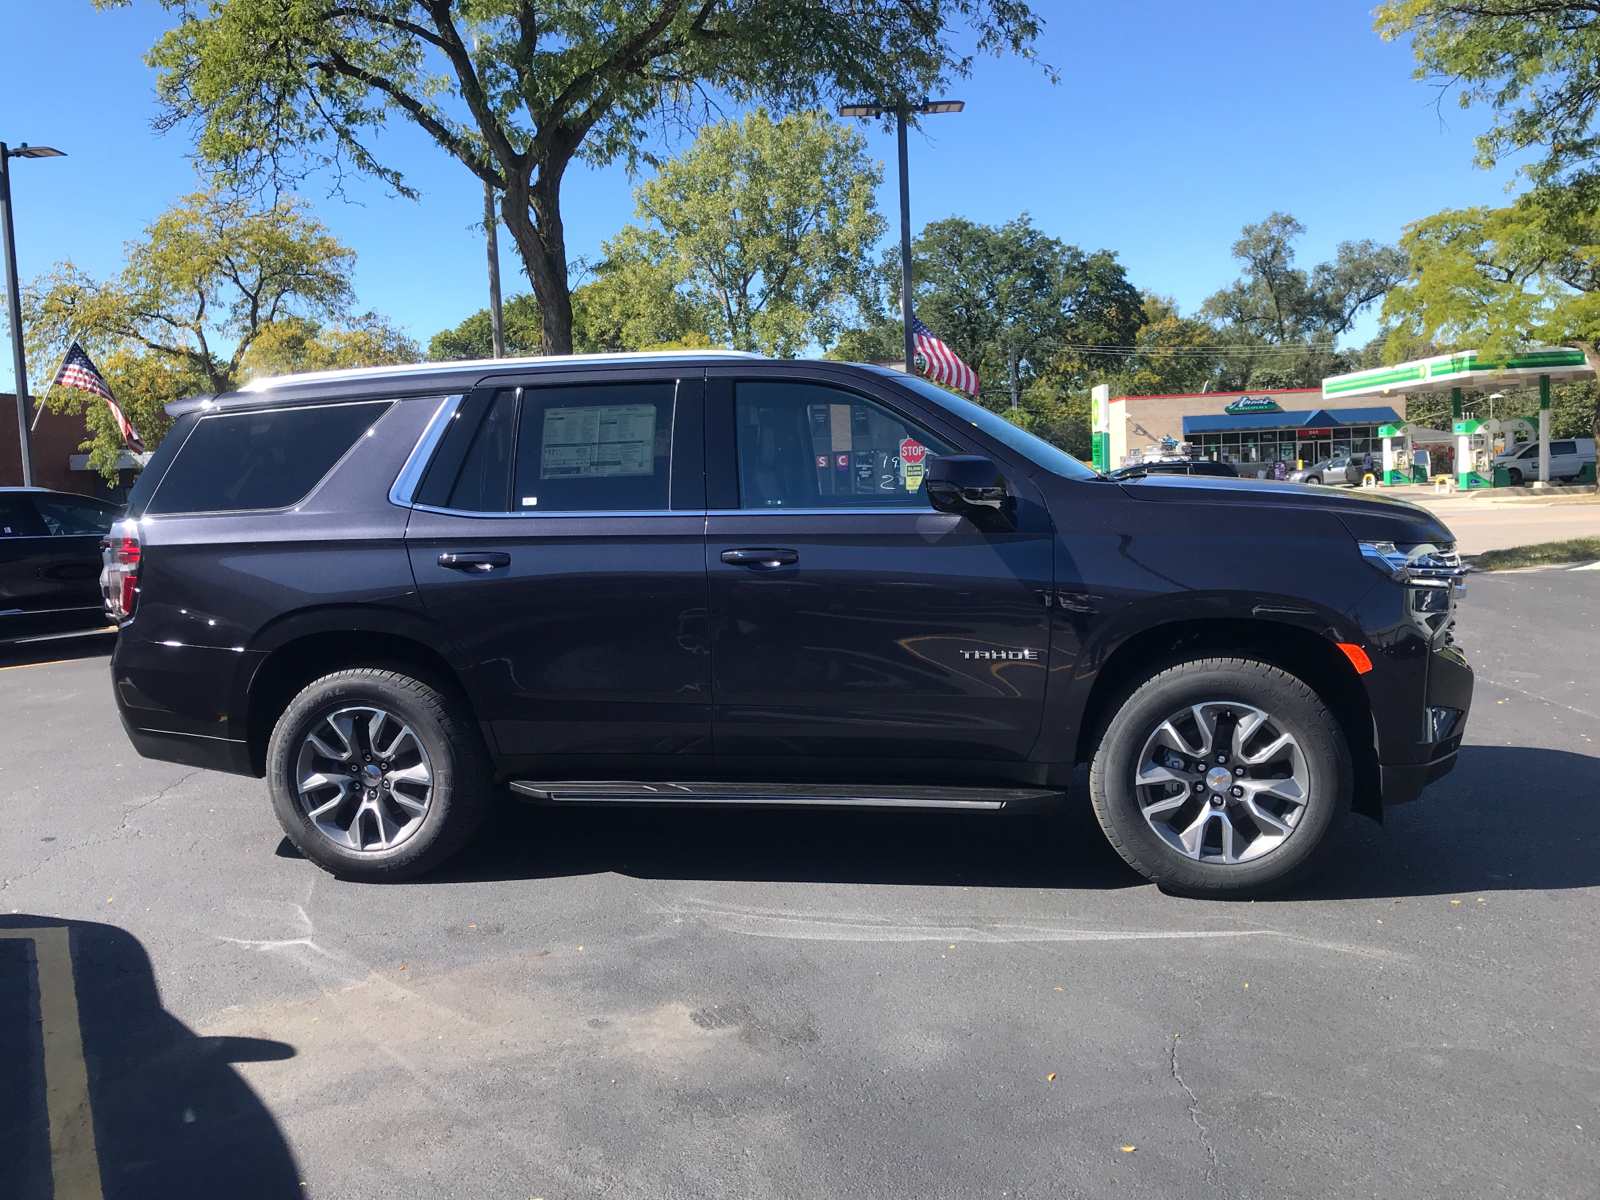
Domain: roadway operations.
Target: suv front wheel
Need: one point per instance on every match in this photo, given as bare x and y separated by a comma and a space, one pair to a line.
1221, 776
375, 776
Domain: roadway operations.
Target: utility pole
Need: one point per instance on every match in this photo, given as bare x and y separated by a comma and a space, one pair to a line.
497, 330
19, 354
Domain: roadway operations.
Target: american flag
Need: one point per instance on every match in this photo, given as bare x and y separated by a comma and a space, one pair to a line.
77, 371
940, 363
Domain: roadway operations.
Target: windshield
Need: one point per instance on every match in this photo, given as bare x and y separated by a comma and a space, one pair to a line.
1035, 449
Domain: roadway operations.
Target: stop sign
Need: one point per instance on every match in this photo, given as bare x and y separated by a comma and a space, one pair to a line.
912, 453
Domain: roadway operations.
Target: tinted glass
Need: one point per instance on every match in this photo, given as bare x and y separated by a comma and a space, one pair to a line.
803, 445
484, 483
599, 448
1530, 452
17, 518
1041, 452
144, 487
75, 516
1563, 447
257, 460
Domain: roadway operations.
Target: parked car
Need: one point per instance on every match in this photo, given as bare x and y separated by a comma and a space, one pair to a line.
1344, 471
50, 561
1568, 457
1177, 466
715, 578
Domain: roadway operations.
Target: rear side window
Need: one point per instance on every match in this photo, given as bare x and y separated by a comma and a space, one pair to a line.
1563, 447
75, 516
596, 448
17, 518
259, 460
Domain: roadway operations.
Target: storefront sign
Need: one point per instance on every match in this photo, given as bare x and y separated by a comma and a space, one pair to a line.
1253, 404
1311, 433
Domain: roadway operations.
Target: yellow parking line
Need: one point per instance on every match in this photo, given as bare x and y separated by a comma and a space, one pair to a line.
74, 1162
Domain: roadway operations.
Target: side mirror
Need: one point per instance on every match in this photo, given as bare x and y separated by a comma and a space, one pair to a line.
970, 486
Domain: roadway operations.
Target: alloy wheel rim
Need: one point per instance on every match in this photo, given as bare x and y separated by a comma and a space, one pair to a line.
363, 778
1222, 782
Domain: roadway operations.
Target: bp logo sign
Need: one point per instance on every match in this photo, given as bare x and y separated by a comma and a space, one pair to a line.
1253, 404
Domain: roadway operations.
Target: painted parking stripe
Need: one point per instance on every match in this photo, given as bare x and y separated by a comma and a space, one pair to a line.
74, 1162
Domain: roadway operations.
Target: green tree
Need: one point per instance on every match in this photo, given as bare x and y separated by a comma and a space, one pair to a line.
517, 92
1498, 279
1536, 63
761, 228
217, 290
472, 338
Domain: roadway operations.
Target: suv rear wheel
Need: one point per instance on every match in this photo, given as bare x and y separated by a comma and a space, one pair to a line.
1221, 776
374, 776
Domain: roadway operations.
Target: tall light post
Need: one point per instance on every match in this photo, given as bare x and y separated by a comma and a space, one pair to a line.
19, 357
901, 112
491, 220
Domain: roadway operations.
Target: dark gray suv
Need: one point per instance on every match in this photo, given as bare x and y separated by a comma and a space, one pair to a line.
718, 579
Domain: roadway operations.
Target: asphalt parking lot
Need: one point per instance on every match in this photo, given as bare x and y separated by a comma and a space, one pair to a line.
604, 1003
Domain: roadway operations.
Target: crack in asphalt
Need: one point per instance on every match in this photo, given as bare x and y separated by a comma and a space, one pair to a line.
122, 826
1510, 687
1194, 1115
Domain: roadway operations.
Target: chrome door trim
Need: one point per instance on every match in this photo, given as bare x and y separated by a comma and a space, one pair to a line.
406, 483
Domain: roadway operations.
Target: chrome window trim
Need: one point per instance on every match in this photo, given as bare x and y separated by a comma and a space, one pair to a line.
406, 483
548, 515
824, 512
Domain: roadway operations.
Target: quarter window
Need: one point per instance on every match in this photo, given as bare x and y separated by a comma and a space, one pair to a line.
804, 445
271, 458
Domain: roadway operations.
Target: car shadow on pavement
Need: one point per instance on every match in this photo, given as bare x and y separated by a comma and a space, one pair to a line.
525, 841
1507, 818
171, 1118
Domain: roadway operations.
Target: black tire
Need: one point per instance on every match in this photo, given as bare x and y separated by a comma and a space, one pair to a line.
455, 759
1294, 709
1515, 476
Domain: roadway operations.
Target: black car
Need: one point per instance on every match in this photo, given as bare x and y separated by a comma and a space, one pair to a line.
1177, 466
50, 561
719, 579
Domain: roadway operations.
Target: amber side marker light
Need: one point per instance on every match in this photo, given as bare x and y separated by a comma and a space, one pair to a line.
1357, 656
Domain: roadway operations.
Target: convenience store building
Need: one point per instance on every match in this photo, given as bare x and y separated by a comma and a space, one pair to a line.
1255, 429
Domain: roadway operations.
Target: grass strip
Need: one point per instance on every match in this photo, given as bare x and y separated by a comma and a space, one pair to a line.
1541, 555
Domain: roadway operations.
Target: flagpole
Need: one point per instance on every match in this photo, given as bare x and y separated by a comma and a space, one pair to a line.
39, 408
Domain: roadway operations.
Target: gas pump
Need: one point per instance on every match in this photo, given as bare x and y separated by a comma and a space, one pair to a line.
1474, 455
1396, 454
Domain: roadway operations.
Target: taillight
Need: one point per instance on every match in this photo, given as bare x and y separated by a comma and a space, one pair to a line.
119, 577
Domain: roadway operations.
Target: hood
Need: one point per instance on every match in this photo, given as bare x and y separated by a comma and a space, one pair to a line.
1369, 516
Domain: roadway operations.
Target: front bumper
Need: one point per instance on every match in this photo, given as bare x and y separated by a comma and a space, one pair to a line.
1449, 687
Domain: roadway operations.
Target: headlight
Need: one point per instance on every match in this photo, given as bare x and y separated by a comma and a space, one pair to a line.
1422, 563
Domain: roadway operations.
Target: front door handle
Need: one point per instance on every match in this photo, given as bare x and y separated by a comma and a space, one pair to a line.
481, 562
761, 560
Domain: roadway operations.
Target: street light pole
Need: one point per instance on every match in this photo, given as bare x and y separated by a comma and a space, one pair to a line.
19, 355
905, 240
901, 112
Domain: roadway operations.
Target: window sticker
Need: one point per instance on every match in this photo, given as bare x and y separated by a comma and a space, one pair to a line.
912, 452
599, 441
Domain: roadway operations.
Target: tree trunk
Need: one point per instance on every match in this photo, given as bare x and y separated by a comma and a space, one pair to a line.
1011, 366
532, 213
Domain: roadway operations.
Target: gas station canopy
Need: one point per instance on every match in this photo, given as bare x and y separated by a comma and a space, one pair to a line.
1476, 443
1464, 369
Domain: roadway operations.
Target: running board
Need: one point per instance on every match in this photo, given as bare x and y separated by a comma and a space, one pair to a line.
792, 795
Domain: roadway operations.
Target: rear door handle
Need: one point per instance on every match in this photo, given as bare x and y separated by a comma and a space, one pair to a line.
762, 560
481, 562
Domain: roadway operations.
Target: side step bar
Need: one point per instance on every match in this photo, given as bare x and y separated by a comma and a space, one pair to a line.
792, 795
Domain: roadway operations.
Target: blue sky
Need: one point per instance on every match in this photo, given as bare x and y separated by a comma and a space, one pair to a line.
1175, 123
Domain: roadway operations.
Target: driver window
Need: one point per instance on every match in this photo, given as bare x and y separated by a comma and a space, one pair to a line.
803, 445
